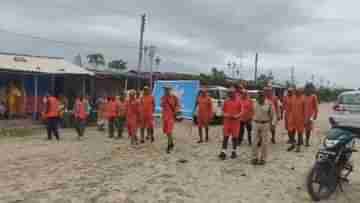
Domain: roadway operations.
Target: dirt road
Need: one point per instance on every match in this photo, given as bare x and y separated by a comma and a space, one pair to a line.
98, 169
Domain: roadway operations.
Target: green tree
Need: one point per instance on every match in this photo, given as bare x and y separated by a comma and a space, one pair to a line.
263, 80
97, 59
118, 64
217, 75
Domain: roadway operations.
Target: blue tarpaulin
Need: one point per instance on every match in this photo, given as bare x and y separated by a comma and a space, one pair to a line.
185, 90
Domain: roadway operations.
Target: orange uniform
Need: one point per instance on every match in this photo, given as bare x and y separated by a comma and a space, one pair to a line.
112, 109
232, 107
132, 116
147, 109
247, 111
205, 110
52, 110
80, 111
296, 114
122, 109
311, 110
286, 104
170, 106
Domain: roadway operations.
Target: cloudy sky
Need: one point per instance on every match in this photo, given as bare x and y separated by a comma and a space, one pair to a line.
316, 37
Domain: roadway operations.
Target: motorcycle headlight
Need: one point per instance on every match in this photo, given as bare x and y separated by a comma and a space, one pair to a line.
330, 143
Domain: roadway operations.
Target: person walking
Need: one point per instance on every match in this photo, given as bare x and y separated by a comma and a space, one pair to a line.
311, 112
263, 119
296, 123
246, 117
112, 113
121, 118
275, 102
286, 105
147, 103
170, 107
204, 114
232, 113
52, 115
132, 116
80, 114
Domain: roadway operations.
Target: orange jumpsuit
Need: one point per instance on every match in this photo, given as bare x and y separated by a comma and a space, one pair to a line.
247, 112
286, 104
132, 116
205, 110
296, 114
311, 110
122, 109
147, 110
170, 106
232, 107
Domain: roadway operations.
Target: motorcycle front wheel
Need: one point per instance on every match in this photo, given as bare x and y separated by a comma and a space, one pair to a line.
321, 181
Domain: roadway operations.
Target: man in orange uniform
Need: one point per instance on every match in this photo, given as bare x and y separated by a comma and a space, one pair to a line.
121, 119
296, 120
232, 113
132, 116
80, 113
169, 109
286, 103
311, 112
52, 116
147, 103
275, 102
205, 114
112, 113
246, 117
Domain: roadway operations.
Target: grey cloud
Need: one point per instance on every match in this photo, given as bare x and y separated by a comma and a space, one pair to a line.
191, 35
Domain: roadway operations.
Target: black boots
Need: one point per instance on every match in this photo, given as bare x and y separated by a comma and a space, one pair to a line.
307, 142
222, 156
233, 155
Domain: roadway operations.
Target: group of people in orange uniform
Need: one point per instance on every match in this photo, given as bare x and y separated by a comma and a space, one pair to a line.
300, 108
138, 113
241, 113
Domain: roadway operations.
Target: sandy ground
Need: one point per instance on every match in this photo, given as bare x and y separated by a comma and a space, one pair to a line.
98, 169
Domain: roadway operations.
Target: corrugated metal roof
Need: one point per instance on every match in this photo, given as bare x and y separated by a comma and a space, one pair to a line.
39, 64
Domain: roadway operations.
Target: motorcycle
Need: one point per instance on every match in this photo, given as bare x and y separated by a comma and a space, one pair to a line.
333, 163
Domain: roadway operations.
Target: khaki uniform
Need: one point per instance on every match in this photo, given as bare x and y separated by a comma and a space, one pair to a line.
263, 118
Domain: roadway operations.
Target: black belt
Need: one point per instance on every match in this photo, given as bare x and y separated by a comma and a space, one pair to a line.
262, 122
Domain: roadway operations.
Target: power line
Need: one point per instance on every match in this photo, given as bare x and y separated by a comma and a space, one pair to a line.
66, 43
111, 10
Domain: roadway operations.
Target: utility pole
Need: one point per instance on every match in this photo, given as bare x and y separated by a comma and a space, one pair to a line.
292, 76
229, 66
152, 50
233, 69
157, 62
141, 47
256, 68
313, 79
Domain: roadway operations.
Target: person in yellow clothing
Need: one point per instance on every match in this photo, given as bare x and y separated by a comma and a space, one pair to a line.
14, 95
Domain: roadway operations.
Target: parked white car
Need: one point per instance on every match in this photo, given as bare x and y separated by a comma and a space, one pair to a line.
346, 111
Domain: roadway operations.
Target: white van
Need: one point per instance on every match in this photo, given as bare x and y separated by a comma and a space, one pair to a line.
218, 95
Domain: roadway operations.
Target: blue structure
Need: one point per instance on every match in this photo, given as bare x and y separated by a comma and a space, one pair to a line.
185, 90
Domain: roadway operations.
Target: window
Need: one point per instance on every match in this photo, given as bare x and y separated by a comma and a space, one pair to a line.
213, 94
19, 59
350, 99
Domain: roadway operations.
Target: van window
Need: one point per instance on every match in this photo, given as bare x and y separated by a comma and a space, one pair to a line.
223, 94
213, 94
350, 99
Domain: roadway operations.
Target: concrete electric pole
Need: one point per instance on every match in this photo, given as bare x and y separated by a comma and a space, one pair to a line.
141, 47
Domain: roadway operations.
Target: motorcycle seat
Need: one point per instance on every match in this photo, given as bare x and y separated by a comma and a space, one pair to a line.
354, 130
